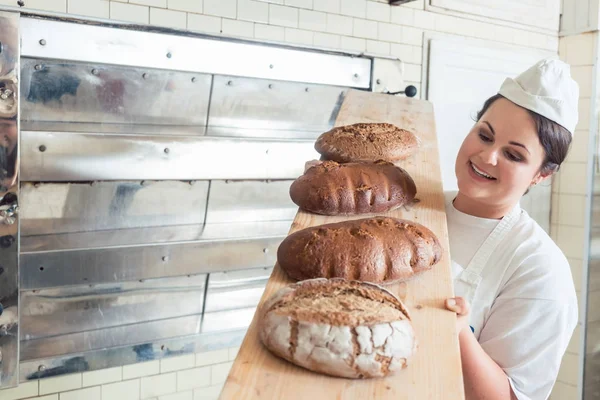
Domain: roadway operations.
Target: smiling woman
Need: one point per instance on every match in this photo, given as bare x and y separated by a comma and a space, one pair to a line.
516, 303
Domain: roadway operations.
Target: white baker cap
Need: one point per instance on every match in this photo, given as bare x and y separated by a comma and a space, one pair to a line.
547, 89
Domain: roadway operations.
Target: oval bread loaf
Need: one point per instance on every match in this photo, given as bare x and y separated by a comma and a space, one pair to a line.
330, 188
366, 142
378, 249
337, 327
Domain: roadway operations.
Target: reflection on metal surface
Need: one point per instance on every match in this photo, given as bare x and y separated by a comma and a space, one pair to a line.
107, 265
236, 289
35, 368
106, 45
82, 93
9, 195
139, 128
58, 311
55, 208
110, 157
257, 107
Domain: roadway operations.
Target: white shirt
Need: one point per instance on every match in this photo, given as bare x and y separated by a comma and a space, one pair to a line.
524, 310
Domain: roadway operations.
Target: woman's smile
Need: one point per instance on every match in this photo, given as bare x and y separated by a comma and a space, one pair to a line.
479, 174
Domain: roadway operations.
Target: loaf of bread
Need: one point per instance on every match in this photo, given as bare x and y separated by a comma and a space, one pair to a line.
337, 327
366, 142
378, 249
330, 188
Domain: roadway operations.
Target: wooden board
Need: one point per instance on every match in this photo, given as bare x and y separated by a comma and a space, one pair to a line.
435, 371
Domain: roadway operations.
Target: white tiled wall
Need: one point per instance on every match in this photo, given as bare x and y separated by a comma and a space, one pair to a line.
357, 25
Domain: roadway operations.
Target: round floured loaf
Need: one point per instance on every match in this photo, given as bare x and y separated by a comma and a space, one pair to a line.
337, 327
366, 142
331, 188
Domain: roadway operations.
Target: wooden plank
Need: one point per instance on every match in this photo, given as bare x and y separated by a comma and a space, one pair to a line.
435, 371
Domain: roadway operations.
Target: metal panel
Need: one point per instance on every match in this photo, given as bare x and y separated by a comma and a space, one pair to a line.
56, 208
247, 201
54, 91
233, 290
124, 355
9, 222
109, 45
59, 311
60, 268
264, 108
51, 156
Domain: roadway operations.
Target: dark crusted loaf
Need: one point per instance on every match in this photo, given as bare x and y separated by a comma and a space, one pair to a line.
337, 327
366, 142
331, 188
378, 249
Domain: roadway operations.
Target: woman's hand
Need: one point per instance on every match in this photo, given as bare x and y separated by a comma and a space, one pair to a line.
462, 308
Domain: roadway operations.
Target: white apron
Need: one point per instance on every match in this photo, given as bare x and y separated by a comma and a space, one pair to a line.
468, 280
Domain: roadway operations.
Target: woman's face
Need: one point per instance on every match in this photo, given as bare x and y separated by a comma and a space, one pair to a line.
501, 156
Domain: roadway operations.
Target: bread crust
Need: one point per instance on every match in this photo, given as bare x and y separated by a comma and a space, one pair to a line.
331, 188
366, 142
338, 344
377, 249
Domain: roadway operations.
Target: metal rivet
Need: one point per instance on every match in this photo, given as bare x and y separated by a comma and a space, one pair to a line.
306, 90
38, 67
165, 258
145, 75
378, 81
270, 86
194, 79
229, 83
42, 148
265, 250
42, 368
271, 66
167, 150
267, 152
356, 75
143, 183
43, 42
168, 55
94, 71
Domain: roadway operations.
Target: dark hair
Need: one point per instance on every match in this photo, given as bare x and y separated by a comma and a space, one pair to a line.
554, 138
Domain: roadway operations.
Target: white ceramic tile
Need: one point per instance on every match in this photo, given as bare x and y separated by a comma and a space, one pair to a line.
151, 3
208, 393
412, 36
141, 369
272, 1
194, 6
579, 147
126, 390
354, 44
159, 385
354, 8
570, 240
129, 12
580, 49
365, 29
221, 8
219, 372
212, 357
255, 11
554, 207
168, 18
27, 389
299, 36
232, 27
389, 32
412, 72
60, 383
102, 376
584, 114
269, 32
403, 16
330, 6
189, 395
171, 364
327, 40
91, 393
204, 23
562, 49
45, 5
313, 20
569, 369
563, 391
339, 24
89, 8
583, 76
233, 352
424, 19
48, 397
377, 47
407, 53
575, 342
571, 209
300, 3
193, 378
552, 43
418, 4
573, 178
554, 232
378, 11
283, 16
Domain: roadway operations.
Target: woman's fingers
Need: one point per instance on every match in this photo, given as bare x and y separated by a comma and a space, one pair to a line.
459, 305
